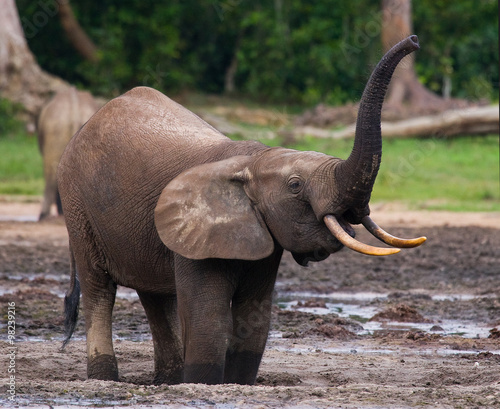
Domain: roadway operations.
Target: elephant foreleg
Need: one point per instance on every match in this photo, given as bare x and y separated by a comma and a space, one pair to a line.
251, 320
162, 317
251, 310
204, 295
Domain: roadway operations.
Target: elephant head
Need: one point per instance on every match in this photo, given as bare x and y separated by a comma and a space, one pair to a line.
240, 207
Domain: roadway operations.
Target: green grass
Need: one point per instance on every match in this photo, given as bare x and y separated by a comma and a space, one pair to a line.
20, 166
459, 174
456, 174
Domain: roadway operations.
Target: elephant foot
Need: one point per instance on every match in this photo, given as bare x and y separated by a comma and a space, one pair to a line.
169, 377
43, 216
210, 374
102, 367
242, 367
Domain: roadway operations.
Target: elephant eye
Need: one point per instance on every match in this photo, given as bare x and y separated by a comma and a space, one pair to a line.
295, 184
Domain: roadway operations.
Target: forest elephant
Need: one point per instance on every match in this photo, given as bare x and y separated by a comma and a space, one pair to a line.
59, 120
157, 200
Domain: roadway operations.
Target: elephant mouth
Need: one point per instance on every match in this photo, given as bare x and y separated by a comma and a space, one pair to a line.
320, 253
345, 236
303, 259
343, 232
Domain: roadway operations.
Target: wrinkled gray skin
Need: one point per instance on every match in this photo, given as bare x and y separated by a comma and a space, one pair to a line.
59, 120
157, 200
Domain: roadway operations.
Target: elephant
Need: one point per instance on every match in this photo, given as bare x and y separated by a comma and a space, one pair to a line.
58, 121
157, 200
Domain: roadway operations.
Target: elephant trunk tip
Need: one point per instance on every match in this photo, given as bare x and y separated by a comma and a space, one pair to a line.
414, 39
410, 44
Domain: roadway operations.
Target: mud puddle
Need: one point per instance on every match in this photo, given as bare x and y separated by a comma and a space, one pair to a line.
22, 218
360, 307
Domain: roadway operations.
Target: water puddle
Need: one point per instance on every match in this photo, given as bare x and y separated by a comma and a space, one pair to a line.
21, 278
80, 403
354, 349
23, 218
356, 306
372, 296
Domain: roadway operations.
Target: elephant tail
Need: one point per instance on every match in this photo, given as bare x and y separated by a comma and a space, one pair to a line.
71, 302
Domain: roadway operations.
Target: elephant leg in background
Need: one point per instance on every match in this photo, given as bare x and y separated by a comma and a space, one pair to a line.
161, 311
251, 310
50, 195
98, 295
204, 293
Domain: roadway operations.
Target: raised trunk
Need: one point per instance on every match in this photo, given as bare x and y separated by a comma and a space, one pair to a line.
360, 169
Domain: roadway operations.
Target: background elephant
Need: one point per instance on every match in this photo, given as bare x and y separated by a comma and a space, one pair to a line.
157, 200
59, 120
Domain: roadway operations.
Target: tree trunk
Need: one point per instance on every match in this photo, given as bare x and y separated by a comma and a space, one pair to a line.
468, 121
405, 87
21, 78
229, 85
405, 91
81, 42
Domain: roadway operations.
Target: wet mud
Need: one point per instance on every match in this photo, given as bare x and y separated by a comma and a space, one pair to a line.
421, 328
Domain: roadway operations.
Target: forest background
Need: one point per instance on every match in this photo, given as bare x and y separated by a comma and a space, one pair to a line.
260, 65
293, 51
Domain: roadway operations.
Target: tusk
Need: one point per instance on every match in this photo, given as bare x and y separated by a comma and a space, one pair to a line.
389, 239
341, 235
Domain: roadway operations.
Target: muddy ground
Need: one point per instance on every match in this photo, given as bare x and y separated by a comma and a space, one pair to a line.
312, 360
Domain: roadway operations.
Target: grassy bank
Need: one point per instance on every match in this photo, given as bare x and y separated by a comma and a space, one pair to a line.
20, 166
458, 174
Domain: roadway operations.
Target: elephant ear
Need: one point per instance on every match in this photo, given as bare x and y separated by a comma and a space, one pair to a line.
205, 213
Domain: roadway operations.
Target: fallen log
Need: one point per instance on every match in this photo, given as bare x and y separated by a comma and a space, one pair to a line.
468, 121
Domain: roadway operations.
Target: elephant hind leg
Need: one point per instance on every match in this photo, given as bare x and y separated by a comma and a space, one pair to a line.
98, 295
161, 311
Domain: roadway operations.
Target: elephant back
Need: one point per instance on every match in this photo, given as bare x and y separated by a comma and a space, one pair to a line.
117, 164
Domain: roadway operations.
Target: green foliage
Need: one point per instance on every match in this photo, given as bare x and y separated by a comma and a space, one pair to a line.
9, 122
462, 43
286, 50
